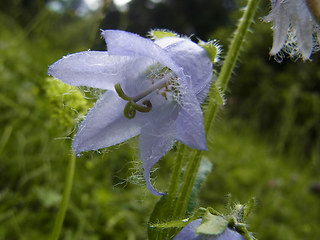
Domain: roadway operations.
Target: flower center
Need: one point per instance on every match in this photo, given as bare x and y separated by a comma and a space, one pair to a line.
165, 80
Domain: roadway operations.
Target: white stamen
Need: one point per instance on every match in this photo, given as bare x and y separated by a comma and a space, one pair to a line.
157, 85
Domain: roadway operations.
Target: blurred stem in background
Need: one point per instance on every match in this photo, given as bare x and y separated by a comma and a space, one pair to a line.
65, 198
71, 168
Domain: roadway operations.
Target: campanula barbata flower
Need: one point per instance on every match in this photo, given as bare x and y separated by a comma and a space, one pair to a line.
190, 233
295, 26
154, 89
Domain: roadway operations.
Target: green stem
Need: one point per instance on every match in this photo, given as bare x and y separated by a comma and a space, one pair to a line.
175, 177
65, 199
187, 185
222, 82
236, 43
173, 190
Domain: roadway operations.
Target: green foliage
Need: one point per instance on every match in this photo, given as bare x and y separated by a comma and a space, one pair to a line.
38, 116
67, 103
280, 100
266, 145
246, 165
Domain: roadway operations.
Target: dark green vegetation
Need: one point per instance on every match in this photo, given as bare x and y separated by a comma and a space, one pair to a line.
266, 142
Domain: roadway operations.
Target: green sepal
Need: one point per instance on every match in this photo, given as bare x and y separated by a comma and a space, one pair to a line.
171, 224
216, 95
213, 211
212, 225
249, 207
212, 49
240, 212
158, 34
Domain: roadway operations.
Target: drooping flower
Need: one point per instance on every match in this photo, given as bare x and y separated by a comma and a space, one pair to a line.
190, 233
154, 88
295, 26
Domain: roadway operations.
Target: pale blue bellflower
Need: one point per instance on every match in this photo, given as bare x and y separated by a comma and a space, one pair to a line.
160, 84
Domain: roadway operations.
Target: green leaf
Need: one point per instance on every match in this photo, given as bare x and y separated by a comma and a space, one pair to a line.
212, 225
171, 224
158, 34
204, 170
158, 215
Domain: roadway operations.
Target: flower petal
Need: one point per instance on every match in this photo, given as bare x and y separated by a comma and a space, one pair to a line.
105, 125
229, 234
304, 29
189, 231
294, 28
190, 125
304, 39
130, 44
194, 60
157, 138
97, 69
281, 22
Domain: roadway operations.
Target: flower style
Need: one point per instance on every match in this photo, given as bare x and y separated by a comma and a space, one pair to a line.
190, 233
154, 88
295, 26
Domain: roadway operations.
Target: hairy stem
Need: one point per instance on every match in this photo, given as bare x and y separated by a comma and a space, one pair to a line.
175, 178
222, 82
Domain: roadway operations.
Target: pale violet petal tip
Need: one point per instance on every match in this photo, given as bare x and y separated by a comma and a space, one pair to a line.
149, 184
91, 68
154, 142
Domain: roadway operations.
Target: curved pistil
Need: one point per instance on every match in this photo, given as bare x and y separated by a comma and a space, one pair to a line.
132, 107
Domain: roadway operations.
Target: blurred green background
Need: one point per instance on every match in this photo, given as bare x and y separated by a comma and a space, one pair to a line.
265, 143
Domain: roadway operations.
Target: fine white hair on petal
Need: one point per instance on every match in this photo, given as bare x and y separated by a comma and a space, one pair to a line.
295, 30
